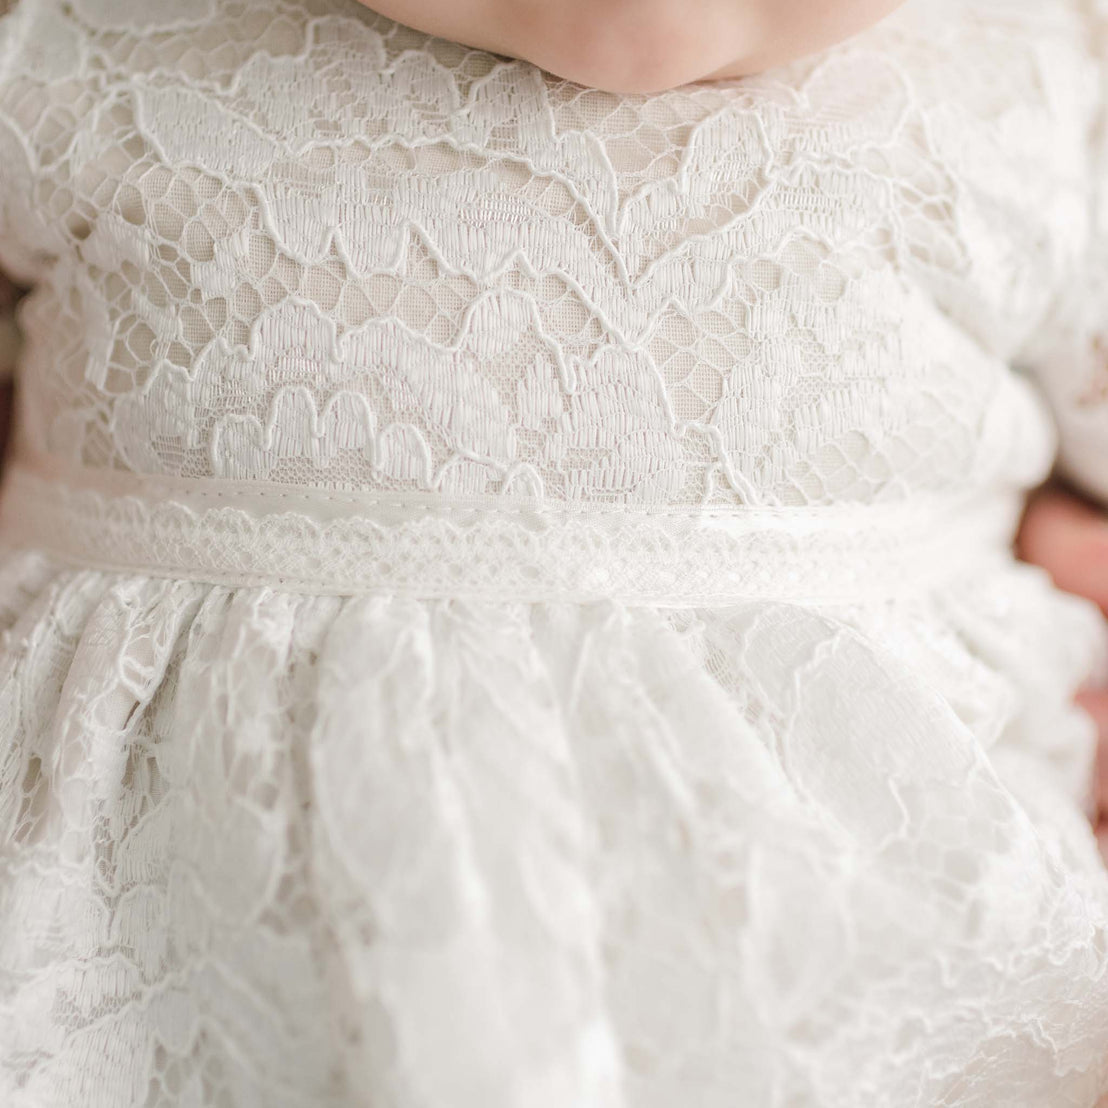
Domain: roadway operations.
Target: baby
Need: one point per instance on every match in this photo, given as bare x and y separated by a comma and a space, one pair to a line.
506, 579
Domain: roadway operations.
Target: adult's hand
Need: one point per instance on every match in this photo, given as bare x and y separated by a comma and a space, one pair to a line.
1069, 539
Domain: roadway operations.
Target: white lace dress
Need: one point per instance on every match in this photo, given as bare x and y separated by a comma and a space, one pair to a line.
507, 599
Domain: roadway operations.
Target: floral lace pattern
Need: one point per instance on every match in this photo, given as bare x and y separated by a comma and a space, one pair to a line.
286, 850
525, 756
304, 244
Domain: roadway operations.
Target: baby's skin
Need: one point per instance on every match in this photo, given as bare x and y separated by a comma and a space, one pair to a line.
643, 45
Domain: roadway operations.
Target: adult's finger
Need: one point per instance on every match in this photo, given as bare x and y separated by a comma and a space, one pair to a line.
1069, 539
1095, 702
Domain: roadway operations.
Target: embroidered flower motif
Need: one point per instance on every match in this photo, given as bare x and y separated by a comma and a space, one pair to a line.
322, 248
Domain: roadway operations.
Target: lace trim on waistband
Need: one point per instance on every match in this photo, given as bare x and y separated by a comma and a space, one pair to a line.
321, 541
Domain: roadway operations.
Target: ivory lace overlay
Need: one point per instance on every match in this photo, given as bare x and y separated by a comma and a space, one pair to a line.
506, 597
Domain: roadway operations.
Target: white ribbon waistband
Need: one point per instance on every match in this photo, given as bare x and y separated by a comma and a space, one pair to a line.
322, 541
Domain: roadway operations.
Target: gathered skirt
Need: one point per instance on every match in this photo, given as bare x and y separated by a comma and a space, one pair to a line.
264, 849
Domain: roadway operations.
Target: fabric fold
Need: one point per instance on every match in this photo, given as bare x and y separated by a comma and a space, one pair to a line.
326, 850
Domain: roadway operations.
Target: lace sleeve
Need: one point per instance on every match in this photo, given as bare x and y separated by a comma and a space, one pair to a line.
1073, 375
1069, 355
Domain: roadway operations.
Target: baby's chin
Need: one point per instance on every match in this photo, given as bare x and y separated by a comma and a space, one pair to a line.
791, 29
644, 46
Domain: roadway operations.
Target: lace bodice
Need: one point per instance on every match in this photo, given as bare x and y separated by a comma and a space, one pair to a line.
290, 240
506, 596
